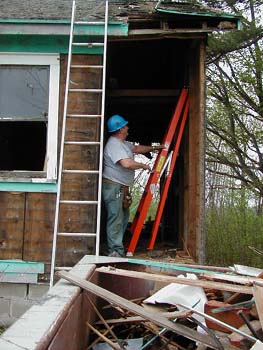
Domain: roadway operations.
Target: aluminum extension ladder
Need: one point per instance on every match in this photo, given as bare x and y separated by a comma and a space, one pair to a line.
150, 188
99, 143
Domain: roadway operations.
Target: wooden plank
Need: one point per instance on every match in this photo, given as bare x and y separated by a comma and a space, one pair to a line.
81, 157
39, 221
231, 278
215, 320
102, 336
138, 310
12, 206
170, 32
131, 319
172, 279
79, 187
258, 295
192, 268
194, 196
82, 129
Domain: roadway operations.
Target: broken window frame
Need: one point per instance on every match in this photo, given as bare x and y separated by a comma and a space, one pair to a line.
49, 173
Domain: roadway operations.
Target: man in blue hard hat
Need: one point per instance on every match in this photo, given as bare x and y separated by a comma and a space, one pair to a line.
118, 174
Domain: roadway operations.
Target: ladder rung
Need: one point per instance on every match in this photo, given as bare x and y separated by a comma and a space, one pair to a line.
86, 66
89, 44
92, 143
86, 90
76, 234
84, 115
63, 201
92, 23
71, 171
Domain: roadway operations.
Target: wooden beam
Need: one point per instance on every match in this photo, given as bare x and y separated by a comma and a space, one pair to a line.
169, 32
169, 315
258, 295
172, 279
138, 310
143, 92
213, 319
231, 278
115, 346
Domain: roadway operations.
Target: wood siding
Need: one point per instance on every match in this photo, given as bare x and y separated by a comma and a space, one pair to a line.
27, 219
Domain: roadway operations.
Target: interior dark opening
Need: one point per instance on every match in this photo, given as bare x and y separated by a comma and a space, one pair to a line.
144, 80
23, 146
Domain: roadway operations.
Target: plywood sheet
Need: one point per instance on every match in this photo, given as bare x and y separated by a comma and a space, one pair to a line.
39, 221
12, 206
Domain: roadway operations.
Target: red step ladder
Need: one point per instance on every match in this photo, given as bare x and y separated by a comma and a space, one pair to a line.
168, 179
152, 183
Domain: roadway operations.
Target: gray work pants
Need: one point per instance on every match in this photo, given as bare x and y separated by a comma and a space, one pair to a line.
117, 216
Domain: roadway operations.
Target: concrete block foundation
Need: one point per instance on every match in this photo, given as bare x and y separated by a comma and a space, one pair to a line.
17, 298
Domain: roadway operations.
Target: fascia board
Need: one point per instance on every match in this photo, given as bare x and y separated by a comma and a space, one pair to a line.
114, 29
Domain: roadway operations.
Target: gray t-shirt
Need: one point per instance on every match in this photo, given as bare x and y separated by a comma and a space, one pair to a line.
114, 151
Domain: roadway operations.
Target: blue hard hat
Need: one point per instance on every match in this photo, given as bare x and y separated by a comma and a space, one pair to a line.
116, 122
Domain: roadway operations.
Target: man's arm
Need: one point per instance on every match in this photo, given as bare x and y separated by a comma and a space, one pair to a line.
132, 164
145, 149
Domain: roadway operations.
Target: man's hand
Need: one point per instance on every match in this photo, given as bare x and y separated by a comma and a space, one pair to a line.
147, 167
129, 163
158, 148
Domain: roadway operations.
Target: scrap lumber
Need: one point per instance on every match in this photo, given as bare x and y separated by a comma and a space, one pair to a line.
240, 340
138, 310
172, 279
97, 339
206, 267
233, 329
236, 298
230, 317
230, 307
191, 268
258, 295
115, 346
133, 319
246, 280
249, 324
103, 320
123, 320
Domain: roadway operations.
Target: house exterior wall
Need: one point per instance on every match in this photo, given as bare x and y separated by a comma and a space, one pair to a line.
27, 217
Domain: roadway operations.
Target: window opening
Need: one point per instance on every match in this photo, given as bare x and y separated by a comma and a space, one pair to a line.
29, 85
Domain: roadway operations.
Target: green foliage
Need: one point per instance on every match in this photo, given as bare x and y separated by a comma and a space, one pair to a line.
140, 181
137, 192
231, 230
235, 101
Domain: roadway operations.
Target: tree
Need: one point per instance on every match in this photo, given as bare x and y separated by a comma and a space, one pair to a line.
235, 99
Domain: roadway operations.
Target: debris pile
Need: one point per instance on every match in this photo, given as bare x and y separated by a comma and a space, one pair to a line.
208, 308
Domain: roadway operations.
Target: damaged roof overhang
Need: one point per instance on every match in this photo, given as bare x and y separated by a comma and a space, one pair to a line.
125, 18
